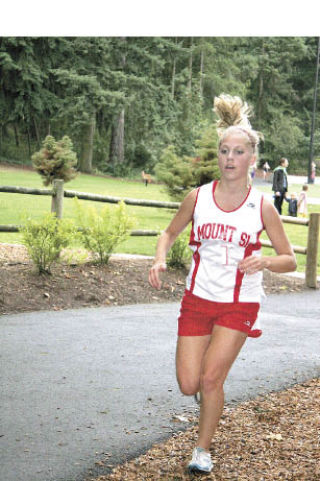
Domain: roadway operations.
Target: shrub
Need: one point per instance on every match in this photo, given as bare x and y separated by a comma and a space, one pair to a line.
56, 160
45, 239
206, 164
179, 253
182, 174
101, 233
175, 172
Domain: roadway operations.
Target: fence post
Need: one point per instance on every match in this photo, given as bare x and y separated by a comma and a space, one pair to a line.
57, 197
312, 250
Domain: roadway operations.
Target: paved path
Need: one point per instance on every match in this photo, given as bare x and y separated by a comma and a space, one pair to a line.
292, 179
80, 385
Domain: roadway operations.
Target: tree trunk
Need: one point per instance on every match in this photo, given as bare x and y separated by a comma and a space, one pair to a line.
190, 64
36, 129
117, 133
173, 78
117, 140
85, 164
260, 93
201, 72
29, 141
16, 134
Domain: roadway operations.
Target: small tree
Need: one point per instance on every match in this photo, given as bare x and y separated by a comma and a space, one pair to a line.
56, 160
181, 174
206, 167
175, 172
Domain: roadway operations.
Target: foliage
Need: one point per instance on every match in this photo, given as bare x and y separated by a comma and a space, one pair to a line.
179, 254
102, 232
45, 238
56, 160
206, 166
137, 95
175, 172
181, 174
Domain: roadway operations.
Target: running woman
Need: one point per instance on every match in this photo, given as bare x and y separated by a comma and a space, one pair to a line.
224, 285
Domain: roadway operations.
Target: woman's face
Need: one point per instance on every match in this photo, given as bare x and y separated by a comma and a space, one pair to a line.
235, 156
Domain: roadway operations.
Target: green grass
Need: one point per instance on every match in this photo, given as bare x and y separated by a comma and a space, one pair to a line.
14, 206
298, 236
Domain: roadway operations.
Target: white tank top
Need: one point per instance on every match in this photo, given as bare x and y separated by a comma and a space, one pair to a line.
220, 240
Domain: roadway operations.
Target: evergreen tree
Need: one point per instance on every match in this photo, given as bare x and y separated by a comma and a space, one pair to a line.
56, 160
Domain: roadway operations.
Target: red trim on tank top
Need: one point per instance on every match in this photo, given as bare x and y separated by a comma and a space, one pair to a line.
192, 234
240, 275
193, 242
196, 258
215, 183
261, 205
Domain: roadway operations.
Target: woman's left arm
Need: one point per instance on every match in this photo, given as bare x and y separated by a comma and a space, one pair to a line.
285, 260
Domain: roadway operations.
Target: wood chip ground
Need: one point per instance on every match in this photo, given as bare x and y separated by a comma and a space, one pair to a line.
272, 438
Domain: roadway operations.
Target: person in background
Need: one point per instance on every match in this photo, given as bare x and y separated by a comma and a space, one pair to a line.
280, 183
313, 172
303, 202
252, 171
293, 205
265, 169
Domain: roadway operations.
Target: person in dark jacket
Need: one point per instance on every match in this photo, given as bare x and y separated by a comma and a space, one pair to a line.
280, 183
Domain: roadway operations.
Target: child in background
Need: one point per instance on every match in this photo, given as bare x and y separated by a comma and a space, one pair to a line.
293, 204
303, 202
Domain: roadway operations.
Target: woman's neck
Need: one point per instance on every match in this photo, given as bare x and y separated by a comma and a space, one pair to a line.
231, 195
235, 188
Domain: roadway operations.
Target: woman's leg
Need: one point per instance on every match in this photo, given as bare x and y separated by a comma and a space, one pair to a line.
218, 358
189, 358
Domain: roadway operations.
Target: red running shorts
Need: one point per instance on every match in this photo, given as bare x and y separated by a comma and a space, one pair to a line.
198, 316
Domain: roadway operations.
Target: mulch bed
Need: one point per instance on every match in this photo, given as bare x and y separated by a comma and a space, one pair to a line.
274, 438
123, 281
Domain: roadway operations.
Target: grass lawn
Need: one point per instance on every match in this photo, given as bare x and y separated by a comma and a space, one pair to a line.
298, 236
14, 206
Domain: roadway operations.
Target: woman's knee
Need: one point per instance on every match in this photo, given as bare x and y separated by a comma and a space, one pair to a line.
188, 387
212, 380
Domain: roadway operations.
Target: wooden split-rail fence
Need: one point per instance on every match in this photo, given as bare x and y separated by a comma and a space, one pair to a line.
58, 193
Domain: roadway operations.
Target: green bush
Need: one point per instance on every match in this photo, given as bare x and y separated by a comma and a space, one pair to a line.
182, 174
45, 239
179, 254
56, 160
101, 232
176, 173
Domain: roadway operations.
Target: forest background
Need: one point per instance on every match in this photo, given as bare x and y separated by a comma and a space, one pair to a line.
124, 100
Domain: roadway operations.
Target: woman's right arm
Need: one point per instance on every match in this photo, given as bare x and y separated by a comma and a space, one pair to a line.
167, 238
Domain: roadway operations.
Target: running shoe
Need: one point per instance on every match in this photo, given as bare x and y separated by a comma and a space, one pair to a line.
200, 462
197, 398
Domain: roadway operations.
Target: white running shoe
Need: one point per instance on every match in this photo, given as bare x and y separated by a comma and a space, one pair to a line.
197, 398
200, 462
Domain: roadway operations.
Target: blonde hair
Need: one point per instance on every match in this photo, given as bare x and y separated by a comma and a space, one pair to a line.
234, 116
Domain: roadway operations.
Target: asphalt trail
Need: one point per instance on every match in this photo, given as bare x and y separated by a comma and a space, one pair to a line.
83, 386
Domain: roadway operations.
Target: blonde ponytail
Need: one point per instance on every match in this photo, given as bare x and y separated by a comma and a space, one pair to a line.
234, 116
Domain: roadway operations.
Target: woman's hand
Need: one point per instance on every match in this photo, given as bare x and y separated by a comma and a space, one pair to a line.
253, 264
154, 274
